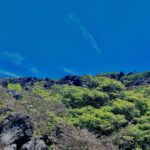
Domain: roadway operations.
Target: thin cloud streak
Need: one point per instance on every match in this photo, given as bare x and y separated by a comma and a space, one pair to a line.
15, 57
89, 38
70, 71
75, 22
9, 74
19, 60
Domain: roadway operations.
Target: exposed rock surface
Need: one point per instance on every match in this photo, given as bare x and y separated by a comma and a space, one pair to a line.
71, 80
14, 94
29, 81
116, 76
34, 144
22, 81
16, 132
75, 80
11, 147
15, 129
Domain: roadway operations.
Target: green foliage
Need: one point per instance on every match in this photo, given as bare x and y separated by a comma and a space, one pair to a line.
102, 105
46, 126
38, 90
137, 136
130, 79
141, 102
15, 87
145, 91
51, 148
103, 83
97, 120
77, 97
125, 108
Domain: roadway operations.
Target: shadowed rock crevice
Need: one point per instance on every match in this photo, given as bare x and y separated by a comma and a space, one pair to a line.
16, 134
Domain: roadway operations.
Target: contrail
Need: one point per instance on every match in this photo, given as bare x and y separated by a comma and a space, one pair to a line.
89, 38
75, 22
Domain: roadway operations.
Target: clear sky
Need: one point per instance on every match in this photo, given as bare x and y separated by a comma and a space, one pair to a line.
58, 37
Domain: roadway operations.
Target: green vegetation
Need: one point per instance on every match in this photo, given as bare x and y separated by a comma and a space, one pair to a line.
77, 97
100, 121
102, 83
131, 79
15, 87
104, 106
38, 90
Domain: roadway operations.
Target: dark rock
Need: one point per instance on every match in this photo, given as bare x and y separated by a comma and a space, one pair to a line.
71, 80
136, 79
49, 83
34, 144
15, 129
22, 81
11, 147
116, 76
14, 94
131, 73
4, 110
3, 83
48, 140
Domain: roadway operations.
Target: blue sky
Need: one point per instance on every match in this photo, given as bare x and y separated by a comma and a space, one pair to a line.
58, 37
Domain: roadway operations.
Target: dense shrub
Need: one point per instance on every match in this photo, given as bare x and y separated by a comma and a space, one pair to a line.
97, 120
136, 79
77, 97
125, 108
141, 102
15, 87
102, 83
136, 136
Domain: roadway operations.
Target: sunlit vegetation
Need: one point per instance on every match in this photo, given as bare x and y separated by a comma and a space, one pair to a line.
135, 79
99, 121
15, 87
102, 83
104, 106
77, 97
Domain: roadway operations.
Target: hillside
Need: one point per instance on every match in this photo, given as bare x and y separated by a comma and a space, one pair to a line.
103, 112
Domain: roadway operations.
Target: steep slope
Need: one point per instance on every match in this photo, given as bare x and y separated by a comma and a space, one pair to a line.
102, 112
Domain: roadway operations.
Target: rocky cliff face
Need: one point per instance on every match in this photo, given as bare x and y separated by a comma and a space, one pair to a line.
16, 132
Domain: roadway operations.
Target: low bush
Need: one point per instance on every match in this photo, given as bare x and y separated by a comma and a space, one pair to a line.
15, 87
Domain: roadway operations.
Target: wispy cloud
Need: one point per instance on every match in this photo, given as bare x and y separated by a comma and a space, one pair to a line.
70, 71
14, 57
19, 60
76, 23
34, 70
8, 73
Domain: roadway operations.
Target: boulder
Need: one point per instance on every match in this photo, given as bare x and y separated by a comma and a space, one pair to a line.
49, 83
34, 144
11, 147
15, 129
14, 94
71, 80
